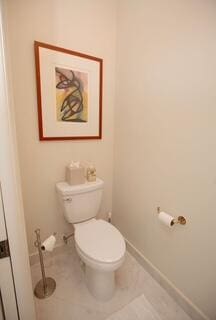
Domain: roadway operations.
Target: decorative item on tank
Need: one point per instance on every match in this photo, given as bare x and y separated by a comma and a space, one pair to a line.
75, 173
91, 173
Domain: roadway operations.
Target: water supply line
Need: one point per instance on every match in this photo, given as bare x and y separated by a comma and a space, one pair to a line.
65, 238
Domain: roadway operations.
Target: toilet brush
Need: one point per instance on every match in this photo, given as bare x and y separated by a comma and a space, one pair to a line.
46, 286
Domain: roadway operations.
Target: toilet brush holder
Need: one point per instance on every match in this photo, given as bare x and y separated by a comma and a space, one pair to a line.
46, 286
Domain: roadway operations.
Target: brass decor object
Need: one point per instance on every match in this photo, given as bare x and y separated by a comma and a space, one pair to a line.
46, 286
180, 220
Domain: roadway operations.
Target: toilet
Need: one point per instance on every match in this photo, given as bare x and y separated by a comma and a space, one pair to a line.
99, 244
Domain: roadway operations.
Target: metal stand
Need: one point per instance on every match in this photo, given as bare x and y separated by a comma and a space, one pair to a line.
46, 286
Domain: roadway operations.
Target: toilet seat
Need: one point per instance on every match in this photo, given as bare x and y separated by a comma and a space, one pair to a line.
100, 241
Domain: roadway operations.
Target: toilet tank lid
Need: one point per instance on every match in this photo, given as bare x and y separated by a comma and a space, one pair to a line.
65, 189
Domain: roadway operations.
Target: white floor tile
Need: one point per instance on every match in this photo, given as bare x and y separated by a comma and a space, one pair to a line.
72, 300
138, 309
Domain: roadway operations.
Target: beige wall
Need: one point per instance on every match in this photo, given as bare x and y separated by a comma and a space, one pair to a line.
85, 26
165, 138
165, 133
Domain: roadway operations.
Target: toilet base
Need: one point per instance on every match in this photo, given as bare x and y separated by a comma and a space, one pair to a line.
100, 284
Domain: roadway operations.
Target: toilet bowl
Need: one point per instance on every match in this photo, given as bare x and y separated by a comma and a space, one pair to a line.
99, 244
102, 248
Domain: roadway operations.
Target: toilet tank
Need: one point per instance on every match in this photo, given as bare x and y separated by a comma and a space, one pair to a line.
80, 202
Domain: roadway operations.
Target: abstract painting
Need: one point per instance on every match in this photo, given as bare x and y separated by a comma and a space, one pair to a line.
69, 93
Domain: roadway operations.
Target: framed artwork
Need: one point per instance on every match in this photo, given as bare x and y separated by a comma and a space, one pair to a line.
69, 93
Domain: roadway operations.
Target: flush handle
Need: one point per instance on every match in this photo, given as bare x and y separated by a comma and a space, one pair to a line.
68, 199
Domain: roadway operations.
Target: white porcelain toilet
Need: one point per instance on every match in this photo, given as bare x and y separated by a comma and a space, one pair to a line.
98, 243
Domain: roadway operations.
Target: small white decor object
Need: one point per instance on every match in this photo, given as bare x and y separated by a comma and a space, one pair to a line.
75, 173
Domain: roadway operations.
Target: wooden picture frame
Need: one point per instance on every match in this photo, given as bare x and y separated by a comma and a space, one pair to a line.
69, 93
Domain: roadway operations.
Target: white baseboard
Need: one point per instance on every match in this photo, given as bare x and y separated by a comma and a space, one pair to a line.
188, 306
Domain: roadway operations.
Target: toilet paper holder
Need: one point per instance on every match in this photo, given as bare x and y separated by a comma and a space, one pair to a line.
180, 220
46, 286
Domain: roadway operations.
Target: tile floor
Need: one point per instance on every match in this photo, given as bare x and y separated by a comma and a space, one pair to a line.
72, 301
138, 309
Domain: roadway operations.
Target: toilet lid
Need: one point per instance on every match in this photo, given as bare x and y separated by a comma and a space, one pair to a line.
100, 241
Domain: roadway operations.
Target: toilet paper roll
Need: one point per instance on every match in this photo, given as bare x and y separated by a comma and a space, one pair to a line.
49, 243
166, 219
